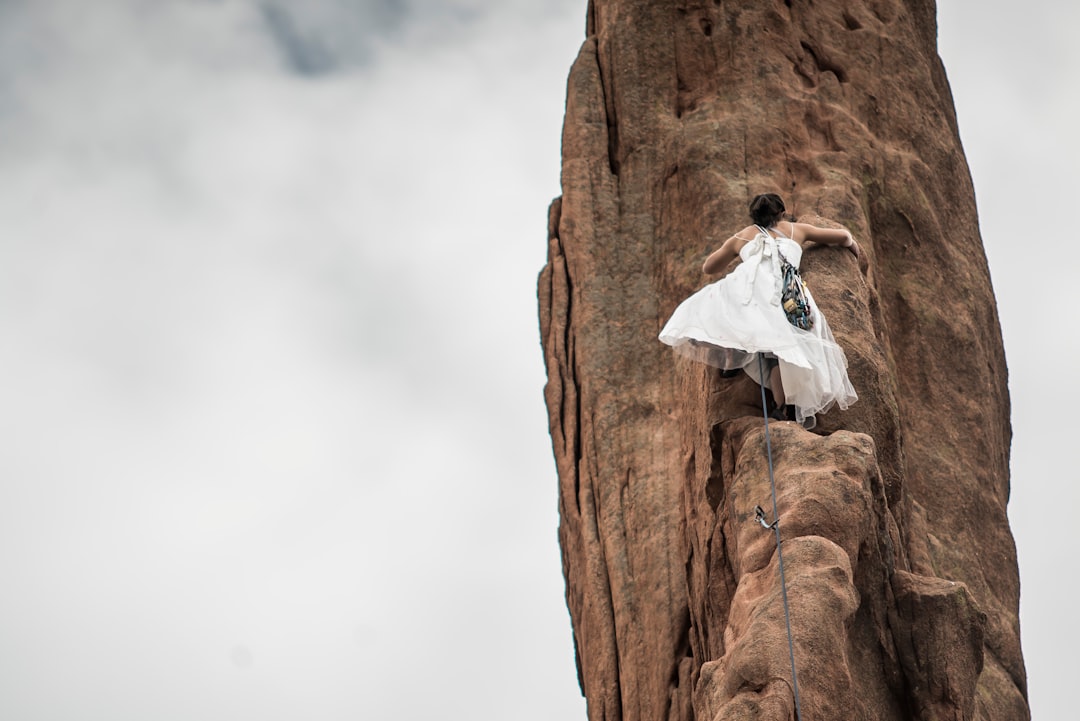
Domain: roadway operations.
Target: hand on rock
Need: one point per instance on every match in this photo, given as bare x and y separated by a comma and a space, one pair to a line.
864, 262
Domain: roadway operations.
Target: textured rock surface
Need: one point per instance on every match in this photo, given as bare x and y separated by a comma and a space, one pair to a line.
900, 564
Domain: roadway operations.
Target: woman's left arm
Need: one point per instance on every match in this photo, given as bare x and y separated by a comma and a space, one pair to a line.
719, 258
824, 236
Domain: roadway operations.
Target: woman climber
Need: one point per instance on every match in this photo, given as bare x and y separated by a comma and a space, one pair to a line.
733, 321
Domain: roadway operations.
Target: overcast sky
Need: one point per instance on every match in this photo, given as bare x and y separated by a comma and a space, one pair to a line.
274, 438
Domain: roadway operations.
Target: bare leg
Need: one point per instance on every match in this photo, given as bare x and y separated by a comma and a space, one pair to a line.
777, 387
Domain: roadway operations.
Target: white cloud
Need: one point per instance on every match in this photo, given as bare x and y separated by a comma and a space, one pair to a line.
273, 452
275, 441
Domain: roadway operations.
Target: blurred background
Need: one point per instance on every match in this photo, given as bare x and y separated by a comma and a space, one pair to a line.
274, 443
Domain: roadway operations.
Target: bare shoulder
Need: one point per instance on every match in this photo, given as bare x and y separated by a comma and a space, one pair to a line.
743, 237
795, 231
719, 259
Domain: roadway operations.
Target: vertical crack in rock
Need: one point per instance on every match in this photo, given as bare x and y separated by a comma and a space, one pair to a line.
607, 92
900, 564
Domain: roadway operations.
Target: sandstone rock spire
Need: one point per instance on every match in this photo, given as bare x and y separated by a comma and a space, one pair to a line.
901, 567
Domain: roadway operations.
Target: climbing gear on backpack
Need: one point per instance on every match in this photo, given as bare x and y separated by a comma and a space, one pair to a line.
794, 298
793, 295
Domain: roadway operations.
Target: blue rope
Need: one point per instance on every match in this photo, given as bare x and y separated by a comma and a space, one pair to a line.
776, 528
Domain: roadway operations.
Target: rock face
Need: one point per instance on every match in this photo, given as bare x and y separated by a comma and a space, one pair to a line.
900, 566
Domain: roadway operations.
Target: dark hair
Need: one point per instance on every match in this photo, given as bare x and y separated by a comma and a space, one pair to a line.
766, 209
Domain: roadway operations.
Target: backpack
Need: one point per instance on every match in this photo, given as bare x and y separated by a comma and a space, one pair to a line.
793, 295
794, 298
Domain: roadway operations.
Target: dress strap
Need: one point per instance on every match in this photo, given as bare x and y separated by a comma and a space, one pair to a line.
790, 236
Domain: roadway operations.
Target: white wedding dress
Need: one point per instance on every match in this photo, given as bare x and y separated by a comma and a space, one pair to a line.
727, 323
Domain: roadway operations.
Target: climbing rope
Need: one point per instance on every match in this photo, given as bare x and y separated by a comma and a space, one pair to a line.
775, 525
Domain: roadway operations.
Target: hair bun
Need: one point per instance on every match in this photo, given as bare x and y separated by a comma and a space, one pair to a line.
766, 209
